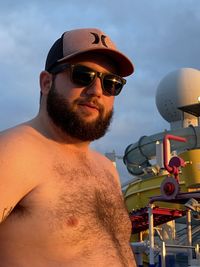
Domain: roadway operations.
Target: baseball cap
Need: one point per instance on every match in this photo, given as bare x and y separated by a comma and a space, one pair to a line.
79, 41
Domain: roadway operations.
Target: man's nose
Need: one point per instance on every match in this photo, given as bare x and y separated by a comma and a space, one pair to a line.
95, 88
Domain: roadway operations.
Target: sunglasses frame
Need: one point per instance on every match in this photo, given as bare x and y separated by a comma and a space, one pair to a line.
62, 67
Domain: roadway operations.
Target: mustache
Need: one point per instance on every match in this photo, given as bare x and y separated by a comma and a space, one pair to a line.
91, 100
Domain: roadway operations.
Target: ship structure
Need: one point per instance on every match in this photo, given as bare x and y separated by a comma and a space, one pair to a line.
163, 198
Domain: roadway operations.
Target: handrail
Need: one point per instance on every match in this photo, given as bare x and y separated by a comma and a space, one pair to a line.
173, 168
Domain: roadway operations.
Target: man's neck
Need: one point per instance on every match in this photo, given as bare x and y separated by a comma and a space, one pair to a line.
47, 128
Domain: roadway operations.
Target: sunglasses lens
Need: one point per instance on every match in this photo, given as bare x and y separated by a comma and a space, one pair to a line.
82, 75
112, 84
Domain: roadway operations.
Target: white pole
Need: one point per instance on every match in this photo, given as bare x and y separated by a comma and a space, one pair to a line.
140, 260
163, 255
197, 251
151, 236
189, 235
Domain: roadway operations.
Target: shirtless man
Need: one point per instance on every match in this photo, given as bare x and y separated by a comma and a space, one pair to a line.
60, 201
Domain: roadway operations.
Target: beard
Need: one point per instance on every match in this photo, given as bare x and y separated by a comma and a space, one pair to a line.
65, 117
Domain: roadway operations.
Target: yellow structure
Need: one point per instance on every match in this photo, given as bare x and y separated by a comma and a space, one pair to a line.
138, 193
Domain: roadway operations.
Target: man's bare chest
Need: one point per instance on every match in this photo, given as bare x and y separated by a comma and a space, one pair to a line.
80, 200
75, 208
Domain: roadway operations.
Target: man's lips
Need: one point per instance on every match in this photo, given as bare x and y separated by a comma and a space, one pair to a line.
90, 105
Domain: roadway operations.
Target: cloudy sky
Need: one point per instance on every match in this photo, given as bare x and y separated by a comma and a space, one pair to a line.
159, 36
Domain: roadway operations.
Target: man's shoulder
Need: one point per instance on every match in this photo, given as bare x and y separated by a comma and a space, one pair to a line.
20, 155
16, 142
105, 162
20, 135
100, 157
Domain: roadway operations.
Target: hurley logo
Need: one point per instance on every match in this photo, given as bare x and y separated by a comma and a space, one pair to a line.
98, 39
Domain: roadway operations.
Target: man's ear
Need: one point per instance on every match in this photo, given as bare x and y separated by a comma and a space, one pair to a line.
45, 82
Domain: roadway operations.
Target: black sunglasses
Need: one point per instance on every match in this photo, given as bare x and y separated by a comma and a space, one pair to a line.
85, 76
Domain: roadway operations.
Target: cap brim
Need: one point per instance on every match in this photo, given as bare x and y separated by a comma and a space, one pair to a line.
125, 66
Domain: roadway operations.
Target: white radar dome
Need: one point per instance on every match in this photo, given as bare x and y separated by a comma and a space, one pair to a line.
179, 88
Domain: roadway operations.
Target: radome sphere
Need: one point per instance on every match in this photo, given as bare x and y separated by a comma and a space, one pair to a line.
177, 89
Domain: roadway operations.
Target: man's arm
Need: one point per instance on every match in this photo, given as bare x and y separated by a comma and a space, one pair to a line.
14, 180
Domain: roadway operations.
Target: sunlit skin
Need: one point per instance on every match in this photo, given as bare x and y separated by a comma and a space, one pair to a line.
61, 203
